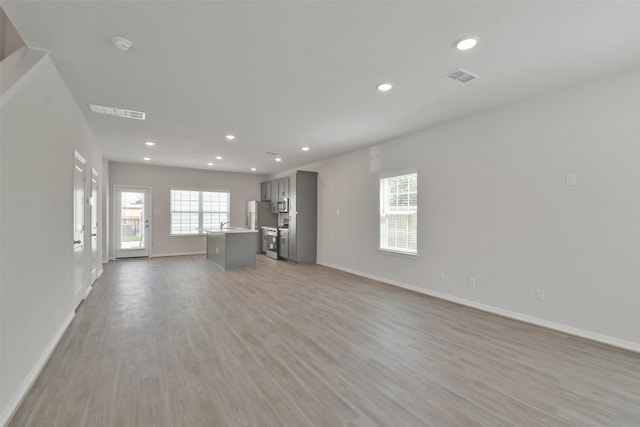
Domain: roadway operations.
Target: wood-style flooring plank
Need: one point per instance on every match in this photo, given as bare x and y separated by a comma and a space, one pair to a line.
179, 342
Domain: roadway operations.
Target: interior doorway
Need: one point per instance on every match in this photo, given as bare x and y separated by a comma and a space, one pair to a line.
80, 282
93, 202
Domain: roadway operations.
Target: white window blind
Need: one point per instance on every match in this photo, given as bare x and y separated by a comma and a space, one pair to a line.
191, 211
399, 213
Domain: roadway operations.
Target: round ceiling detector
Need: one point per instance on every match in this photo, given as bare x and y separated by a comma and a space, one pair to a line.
121, 43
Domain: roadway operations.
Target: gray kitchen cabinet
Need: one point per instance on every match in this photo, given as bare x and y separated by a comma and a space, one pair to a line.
303, 217
274, 197
265, 191
283, 188
232, 248
283, 243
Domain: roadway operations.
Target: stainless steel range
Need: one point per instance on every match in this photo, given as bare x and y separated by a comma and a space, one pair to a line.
272, 242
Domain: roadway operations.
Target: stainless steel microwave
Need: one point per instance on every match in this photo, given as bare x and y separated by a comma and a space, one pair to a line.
283, 205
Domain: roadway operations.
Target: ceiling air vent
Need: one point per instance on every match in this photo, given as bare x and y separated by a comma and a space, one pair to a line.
118, 112
461, 75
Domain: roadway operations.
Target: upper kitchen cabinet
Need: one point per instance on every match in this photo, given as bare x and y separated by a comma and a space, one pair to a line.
303, 217
283, 188
274, 196
265, 191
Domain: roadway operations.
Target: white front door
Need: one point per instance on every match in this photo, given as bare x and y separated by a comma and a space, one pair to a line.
93, 201
132, 221
80, 282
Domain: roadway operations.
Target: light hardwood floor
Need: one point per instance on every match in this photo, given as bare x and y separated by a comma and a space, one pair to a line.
177, 342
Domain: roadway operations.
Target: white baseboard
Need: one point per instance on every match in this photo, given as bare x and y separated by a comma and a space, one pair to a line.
172, 254
100, 272
593, 336
17, 398
178, 254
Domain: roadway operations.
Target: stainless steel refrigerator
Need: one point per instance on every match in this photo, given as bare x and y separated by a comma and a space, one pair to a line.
259, 215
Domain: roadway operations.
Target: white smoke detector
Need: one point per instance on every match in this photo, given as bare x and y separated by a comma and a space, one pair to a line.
121, 43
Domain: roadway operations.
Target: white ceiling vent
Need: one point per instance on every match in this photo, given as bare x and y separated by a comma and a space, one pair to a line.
118, 112
461, 75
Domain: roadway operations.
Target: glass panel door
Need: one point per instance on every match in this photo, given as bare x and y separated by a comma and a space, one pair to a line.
133, 225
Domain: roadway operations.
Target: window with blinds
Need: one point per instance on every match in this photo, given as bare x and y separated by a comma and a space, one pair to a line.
399, 213
192, 211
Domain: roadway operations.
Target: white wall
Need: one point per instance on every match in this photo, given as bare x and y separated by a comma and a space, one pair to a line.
41, 127
161, 179
493, 204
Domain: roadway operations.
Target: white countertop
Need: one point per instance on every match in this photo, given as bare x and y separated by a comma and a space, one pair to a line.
231, 230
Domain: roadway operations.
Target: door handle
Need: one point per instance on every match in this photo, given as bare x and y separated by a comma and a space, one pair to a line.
93, 235
77, 242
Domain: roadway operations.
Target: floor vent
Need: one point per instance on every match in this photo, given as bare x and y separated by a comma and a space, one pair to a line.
118, 112
461, 75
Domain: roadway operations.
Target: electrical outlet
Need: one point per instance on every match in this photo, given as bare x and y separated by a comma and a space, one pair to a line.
216, 250
472, 282
571, 178
441, 275
338, 212
540, 294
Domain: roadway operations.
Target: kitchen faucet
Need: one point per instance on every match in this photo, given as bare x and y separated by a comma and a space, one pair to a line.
222, 224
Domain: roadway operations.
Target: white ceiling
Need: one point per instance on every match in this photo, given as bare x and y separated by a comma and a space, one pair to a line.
282, 74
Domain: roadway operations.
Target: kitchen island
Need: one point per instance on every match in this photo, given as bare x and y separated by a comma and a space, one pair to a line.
232, 247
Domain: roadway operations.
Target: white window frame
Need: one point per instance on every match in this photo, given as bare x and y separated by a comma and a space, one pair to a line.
404, 252
199, 231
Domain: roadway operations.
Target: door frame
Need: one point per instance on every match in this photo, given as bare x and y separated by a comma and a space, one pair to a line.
80, 285
94, 206
116, 227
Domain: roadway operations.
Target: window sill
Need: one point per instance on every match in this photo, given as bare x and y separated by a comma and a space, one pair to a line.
398, 253
188, 235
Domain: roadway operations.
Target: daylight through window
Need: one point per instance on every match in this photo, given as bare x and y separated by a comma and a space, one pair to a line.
192, 211
399, 213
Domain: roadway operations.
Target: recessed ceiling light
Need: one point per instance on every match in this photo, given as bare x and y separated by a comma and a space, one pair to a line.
146, 159
305, 148
278, 159
466, 43
230, 137
384, 87
209, 164
150, 144
253, 169
218, 157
